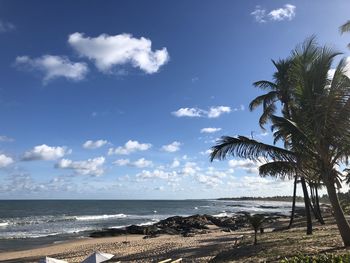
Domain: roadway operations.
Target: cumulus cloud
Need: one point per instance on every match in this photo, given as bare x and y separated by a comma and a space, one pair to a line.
140, 163
45, 152
93, 167
188, 112
175, 163
190, 169
287, 12
5, 160
210, 130
156, 174
208, 180
94, 144
109, 51
54, 67
213, 112
207, 152
259, 14
129, 147
172, 147
248, 165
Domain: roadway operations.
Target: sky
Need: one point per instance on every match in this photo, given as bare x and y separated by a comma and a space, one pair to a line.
124, 99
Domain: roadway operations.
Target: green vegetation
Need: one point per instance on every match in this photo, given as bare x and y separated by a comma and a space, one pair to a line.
313, 126
256, 221
271, 198
323, 258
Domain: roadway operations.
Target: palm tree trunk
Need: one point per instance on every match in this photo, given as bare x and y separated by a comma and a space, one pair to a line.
307, 207
318, 207
293, 204
255, 236
312, 203
343, 225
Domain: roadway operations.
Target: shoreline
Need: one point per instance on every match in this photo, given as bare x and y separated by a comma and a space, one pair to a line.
136, 249
201, 234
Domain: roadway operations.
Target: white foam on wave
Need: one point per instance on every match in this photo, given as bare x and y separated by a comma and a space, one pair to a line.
4, 224
99, 217
223, 214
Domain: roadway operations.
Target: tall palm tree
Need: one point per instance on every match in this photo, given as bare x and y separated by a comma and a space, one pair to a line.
281, 89
318, 138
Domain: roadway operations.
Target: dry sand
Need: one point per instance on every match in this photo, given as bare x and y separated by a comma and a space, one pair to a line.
200, 248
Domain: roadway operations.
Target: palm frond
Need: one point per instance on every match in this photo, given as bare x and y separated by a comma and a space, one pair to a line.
281, 169
264, 84
265, 99
345, 27
244, 147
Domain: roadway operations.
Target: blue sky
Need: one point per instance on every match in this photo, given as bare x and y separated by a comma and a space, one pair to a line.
122, 99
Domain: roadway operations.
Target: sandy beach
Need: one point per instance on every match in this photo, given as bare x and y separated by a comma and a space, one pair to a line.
200, 248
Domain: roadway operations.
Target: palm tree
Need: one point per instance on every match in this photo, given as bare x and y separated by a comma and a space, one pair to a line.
318, 138
281, 89
345, 28
256, 221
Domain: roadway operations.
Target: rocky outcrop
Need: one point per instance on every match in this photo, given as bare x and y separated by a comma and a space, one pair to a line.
178, 225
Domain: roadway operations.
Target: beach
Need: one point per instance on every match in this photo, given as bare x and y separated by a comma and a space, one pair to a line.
200, 248
275, 244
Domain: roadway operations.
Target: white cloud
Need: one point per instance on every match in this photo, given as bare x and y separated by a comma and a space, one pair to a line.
54, 67
259, 14
4, 138
210, 130
188, 112
140, 163
346, 69
213, 112
5, 160
45, 152
109, 51
6, 27
175, 163
129, 147
93, 167
207, 152
156, 174
285, 13
121, 162
208, 180
94, 144
190, 169
248, 165
173, 147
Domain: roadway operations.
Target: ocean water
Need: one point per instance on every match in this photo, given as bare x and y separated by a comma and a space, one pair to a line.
30, 223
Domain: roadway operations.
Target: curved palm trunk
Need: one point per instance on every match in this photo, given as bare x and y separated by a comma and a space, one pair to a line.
293, 204
307, 207
343, 225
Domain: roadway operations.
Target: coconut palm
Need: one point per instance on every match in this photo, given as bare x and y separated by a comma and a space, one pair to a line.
256, 221
318, 138
281, 89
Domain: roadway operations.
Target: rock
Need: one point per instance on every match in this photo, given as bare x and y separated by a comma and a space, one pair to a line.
186, 226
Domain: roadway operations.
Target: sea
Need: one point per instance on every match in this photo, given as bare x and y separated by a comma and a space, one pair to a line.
25, 224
